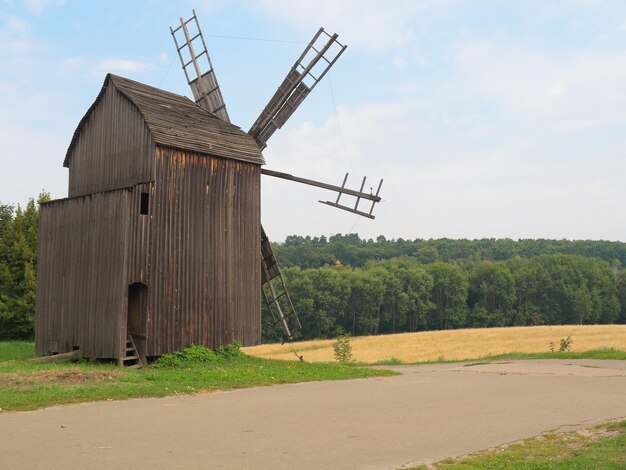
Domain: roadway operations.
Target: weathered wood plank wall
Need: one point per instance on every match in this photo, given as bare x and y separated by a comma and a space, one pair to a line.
140, 235
205, 252
82, 274
205, 238
114, 149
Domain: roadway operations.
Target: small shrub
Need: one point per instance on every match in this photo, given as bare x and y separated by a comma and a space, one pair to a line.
565, 345
342, 348
198, 355
393, 361
230, 351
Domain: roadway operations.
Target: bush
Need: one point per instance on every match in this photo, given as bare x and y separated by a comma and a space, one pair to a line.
342, 348
198, 355
230, 351
564, 345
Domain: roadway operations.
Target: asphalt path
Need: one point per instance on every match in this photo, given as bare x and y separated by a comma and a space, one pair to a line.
428, 413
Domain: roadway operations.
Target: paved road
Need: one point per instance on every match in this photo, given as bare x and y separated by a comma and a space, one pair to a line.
425, 414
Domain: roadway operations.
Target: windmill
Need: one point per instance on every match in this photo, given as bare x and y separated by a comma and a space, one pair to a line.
318, 57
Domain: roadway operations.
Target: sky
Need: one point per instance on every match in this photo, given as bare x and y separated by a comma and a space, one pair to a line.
486, 119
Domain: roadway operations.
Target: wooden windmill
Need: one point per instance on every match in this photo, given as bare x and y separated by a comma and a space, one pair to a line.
314, 62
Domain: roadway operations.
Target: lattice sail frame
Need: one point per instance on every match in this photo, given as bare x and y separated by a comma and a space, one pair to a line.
204, 86
314, 62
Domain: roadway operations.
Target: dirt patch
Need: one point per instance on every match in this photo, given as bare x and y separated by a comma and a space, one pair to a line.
587, 436
54, 377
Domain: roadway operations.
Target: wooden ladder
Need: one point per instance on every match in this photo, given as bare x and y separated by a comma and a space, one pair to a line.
269, 273
204, 86
131, 358
318, 57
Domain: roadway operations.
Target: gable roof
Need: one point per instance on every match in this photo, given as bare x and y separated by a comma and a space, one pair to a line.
176, 121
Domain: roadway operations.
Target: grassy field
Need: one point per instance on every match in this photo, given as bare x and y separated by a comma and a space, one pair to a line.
26, 385
16, 350
465, 344
602, 447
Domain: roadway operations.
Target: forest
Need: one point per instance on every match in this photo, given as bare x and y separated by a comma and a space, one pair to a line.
365, 287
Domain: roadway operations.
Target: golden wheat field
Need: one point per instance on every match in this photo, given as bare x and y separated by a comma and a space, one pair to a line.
452, 344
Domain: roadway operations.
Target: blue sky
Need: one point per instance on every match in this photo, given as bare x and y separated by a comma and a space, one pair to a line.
485, 118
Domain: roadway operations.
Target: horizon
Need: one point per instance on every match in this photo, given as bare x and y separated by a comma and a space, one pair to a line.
394, 239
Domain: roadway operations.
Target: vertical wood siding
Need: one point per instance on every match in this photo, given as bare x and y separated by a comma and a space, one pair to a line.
204, 284
139, 236
82, 274
114, 149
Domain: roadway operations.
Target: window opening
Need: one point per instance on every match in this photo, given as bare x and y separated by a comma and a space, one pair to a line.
145, 203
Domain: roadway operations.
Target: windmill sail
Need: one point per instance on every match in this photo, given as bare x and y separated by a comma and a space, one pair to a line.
204, 86
340, 190
318, 57
270, 272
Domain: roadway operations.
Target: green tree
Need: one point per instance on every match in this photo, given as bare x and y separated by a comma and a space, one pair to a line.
393, 302
408, 305
568, 289
320, 298
18, 269
427, 254
620, 284
367, 293
449, 296
491, 295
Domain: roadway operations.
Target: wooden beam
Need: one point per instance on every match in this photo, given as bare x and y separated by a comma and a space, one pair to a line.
319, 184
349, 209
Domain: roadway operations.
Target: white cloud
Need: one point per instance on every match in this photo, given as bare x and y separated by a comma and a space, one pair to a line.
17, 25
577, 90
208, 6
400, 63
36, 7
122, 65
371, 24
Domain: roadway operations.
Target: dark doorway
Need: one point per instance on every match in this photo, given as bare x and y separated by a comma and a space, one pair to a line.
137, 321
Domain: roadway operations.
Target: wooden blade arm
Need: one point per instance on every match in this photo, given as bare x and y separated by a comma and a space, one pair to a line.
319, 184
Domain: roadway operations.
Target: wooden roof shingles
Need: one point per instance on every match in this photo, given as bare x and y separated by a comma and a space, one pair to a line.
176, 121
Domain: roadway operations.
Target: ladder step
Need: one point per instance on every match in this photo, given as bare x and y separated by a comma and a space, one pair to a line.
132, 358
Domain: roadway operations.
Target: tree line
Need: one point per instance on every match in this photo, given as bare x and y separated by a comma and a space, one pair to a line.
404, 295
315, 252
387, 286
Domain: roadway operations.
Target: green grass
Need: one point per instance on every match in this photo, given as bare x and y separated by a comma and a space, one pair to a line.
603, 447
16, 350
28, 385
602, 353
